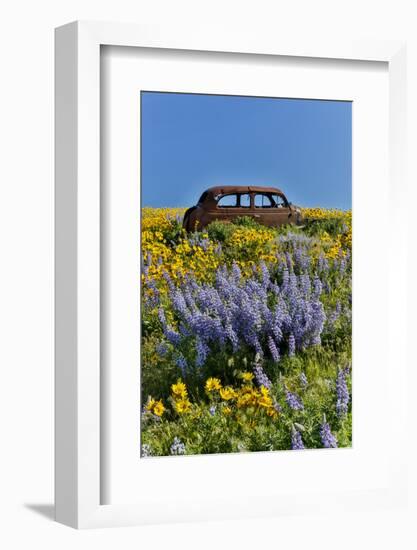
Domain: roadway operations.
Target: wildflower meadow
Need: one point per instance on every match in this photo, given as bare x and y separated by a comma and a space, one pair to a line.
246, 335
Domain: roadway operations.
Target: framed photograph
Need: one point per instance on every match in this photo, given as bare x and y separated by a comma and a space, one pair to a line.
226, 340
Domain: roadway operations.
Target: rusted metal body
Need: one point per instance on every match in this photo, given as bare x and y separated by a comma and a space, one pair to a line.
267, 205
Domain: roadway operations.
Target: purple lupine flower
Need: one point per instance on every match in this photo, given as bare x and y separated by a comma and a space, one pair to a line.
334, 316
327, 438
265, 277
260, 376
218, 249
185, 330
342, 265
303, 380
318, 318
151, 299
171, 335
291, 345
289, 261
322, 264
161, 316
318, 287
199, 240
177, 447
285, 278
238, 312
305, 284
179, 303
181, 362
232, 336
236, 273
326, 287
296, 440
273, 349
293, 401
212, 410
162, 349
342, 393
204, 244
301, 259
168, 280
202, 352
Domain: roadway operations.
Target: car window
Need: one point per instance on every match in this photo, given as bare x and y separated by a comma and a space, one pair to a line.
245, 200
278, 201
262, 201
227, 201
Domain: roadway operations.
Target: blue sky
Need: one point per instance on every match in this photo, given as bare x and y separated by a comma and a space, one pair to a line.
191, 142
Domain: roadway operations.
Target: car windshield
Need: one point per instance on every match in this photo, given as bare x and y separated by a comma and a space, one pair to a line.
279, 201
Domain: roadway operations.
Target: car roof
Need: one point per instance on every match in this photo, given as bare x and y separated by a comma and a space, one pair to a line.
224, 189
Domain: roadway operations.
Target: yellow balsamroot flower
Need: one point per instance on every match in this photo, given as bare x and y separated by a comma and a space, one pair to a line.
264, 391
245, 400
150, 404
333, 252
183, 406
227, 411
213, 384
179, 390
161, 257
265, 401
247, 376
159, 408
347, 239
155, 219
251, 243
247, 389
326, 213
228, 393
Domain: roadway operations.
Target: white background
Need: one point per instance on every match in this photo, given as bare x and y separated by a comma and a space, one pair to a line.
26, 291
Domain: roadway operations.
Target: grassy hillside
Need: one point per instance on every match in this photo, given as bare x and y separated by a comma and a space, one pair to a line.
246, 335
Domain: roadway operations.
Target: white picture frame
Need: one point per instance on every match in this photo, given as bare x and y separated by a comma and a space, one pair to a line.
78, 426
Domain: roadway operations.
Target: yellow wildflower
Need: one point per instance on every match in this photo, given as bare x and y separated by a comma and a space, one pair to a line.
247, 376
183, 406
159, 408
179, 390
265, 401
227, 410
227, 393
245, 400
150, 404
213, 384
264, 391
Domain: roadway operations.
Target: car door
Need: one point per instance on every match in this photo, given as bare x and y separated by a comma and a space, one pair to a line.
226, 208
271, 209
243, 207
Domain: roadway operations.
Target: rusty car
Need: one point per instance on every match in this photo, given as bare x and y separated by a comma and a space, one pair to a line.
266, 205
